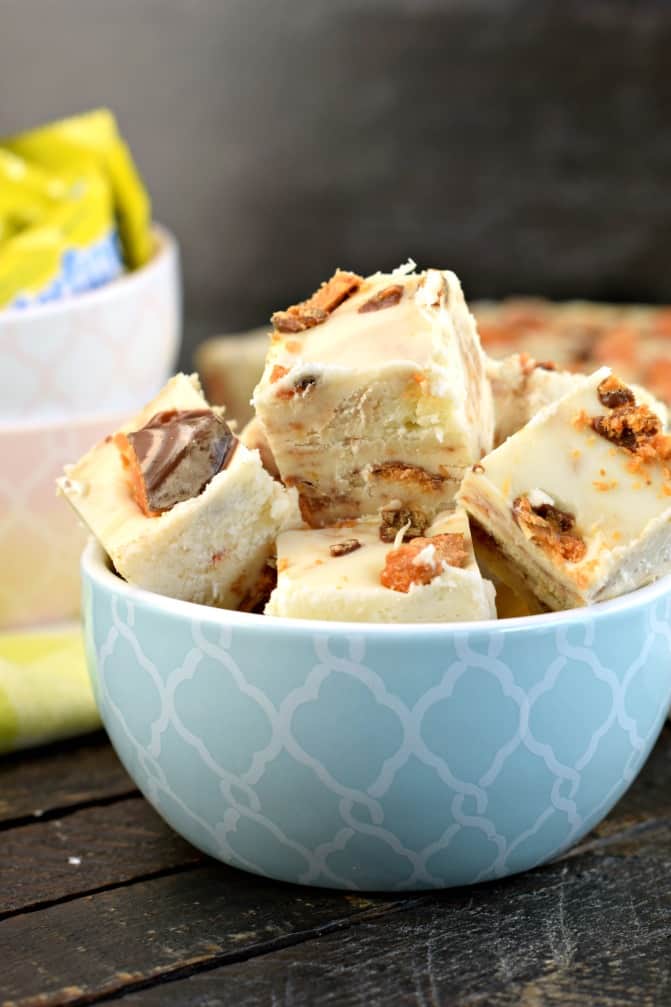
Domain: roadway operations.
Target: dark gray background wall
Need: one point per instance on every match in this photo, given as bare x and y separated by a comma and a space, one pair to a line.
524, 143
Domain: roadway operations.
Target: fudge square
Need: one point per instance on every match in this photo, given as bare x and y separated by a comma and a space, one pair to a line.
374, 391
521, 387
181, 507
579, 500
352, 574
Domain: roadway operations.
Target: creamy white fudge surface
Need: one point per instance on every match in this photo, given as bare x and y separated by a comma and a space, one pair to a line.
341, 574
211, 548
579, 500
522, 387
374, 390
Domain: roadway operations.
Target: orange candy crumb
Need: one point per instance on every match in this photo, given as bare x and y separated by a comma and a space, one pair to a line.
400, 572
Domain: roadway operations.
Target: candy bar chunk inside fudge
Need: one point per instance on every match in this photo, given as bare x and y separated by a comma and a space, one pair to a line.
522, 387
179, 504
375, 391
579, 500
353, 573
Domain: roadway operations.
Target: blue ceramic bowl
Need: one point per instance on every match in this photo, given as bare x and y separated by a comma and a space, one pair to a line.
378, 757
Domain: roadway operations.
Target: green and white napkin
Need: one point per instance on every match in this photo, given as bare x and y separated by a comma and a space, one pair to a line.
45, 692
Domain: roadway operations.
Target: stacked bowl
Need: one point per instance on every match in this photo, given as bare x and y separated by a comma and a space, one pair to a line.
71, 371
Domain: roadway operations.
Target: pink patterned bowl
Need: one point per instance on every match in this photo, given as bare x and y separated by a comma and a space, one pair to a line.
40, 538
107, 350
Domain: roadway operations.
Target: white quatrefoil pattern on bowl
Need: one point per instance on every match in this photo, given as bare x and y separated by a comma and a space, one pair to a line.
367, 760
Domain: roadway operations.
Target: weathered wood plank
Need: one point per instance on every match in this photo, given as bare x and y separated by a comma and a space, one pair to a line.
594, 931
109, 845
105, 943
60, 776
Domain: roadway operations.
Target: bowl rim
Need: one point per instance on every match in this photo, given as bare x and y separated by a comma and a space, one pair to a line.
166, 248
111, 419
95, 566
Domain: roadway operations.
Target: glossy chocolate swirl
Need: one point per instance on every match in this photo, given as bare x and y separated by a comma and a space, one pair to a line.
178, 452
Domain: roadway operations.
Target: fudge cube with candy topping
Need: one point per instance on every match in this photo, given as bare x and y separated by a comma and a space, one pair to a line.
179, 504
352, 573
522, 387
579, 500
375, 395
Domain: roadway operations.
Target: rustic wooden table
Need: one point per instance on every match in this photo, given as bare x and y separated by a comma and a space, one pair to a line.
100, 901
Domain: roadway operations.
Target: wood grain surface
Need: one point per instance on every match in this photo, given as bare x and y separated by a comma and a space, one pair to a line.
594, 934
85, 851
80, 773
145, 920
116, 939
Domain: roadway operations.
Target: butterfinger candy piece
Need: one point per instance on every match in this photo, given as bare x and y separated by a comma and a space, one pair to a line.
422, 560
317, 308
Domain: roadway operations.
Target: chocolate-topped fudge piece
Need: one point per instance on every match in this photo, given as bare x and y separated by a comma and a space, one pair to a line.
375, 393
179, 504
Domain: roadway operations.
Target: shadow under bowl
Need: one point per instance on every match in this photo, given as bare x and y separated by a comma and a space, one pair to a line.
375, 757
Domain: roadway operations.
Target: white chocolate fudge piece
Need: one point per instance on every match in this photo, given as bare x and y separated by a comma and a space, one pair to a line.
522, 387
348, 573
579, 500
375, 391
212, 545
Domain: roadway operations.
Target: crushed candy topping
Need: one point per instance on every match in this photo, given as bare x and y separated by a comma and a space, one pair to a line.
305, 383
344, 548
628, 426
386, 298
613, 393
403, 568
550, 528
392, 519
317, 308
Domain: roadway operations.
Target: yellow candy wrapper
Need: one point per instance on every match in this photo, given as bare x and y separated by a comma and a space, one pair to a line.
57, 233
93, 141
